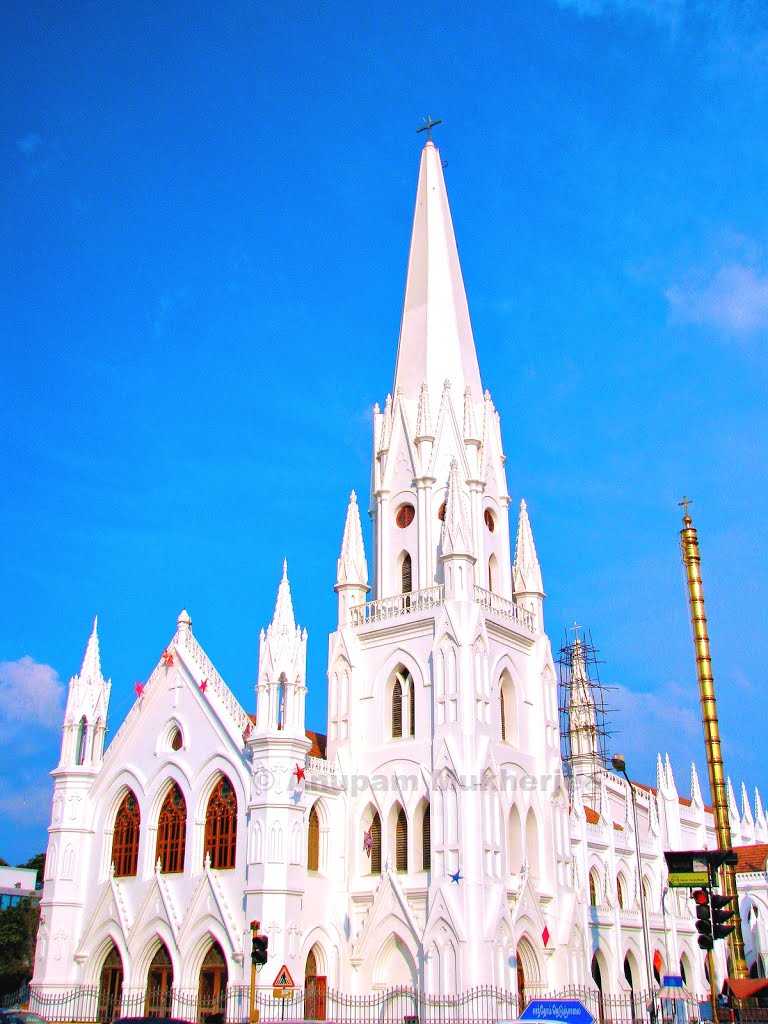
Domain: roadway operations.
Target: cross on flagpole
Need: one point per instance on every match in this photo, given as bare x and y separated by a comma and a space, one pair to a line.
429, 124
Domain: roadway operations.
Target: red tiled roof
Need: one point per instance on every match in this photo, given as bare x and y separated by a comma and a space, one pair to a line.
319, 741
751, 858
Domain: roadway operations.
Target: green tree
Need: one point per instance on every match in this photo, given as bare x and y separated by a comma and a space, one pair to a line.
38, 863
18, 930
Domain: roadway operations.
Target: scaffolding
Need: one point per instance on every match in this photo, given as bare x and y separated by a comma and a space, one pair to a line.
583, 707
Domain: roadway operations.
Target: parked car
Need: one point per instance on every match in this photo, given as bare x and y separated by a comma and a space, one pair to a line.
20, 1017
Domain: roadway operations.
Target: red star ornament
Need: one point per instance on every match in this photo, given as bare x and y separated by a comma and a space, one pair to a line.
203, 685
139, 688
299, 773
167, 658
545, 936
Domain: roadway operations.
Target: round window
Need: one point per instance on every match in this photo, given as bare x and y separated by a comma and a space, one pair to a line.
405, 516
490, 522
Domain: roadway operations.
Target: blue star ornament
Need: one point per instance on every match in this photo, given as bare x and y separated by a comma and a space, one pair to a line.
457, 876
296, 796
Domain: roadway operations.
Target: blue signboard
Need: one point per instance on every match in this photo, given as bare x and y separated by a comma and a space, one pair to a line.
569, 1011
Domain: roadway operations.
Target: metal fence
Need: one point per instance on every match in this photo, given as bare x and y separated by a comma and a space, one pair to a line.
483, 1004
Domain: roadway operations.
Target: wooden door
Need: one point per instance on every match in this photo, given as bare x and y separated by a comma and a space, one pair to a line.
315, 987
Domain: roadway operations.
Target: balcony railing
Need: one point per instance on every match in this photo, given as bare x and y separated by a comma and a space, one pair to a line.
502, 606
387, 608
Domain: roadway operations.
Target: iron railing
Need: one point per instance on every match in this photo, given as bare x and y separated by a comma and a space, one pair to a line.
483, 1004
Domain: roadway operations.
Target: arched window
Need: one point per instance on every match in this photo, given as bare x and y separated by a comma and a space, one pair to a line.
376, 844
493, 566
82, 741
177, 740
313, 841
594, 886
411, 707
405, 574
507, 708
401, 842
397, 709
125, 838
426, 841
281, 704
221, 825
620, 891
532, 842
172, 832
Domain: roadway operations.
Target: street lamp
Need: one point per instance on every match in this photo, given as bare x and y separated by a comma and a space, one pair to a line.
620, 765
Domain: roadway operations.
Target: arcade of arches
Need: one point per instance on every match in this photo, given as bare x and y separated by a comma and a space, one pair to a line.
159, 994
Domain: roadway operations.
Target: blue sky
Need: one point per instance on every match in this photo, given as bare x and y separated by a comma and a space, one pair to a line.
205, 216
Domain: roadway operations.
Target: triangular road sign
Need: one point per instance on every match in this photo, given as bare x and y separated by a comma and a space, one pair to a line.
283, 979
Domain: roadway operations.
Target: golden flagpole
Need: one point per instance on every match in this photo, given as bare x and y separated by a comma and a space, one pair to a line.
689, 546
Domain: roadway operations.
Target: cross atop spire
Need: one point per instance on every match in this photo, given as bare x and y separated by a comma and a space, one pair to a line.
90, 670
527, 571
436, 340
352, 566
283, 619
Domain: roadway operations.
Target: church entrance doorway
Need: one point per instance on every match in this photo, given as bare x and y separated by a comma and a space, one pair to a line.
159, 985
110, 987
212, 992
315, 987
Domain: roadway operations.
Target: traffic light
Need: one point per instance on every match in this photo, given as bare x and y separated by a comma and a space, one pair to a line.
703, 918
259, 944
722, 911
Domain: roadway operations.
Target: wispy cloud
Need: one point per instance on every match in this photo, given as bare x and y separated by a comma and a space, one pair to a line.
665, 12
733, 299
30, 693
28, 144
656, 721
29, 805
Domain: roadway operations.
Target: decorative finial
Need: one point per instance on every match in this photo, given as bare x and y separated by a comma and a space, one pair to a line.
428, 125
684, 503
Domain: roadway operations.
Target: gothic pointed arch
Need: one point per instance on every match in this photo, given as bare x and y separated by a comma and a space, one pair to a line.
315, 984
159, 991
370, 841
212, 982
532, 844
221, 825
401, 695
110, 985
172, 831
398, 829
81, 743
313, 840
515, 853
508, 718
125, 836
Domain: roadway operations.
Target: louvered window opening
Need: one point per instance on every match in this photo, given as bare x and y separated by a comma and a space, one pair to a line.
376, 844
405, 572
426, 844
221, 825
82, 739
397, 709
313, 842
172, 832
411, 707
401, 842
125, 838
503, 717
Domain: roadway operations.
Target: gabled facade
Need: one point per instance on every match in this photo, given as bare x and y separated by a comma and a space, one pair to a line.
430, 838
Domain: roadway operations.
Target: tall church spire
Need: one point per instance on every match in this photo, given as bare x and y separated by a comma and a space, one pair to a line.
436, 341
283, 619
352, 566
90, 670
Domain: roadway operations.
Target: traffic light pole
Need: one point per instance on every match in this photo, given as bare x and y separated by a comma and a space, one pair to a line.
711, 960
253, 1014
689, 546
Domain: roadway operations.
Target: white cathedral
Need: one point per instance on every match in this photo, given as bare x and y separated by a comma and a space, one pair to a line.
430, 839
